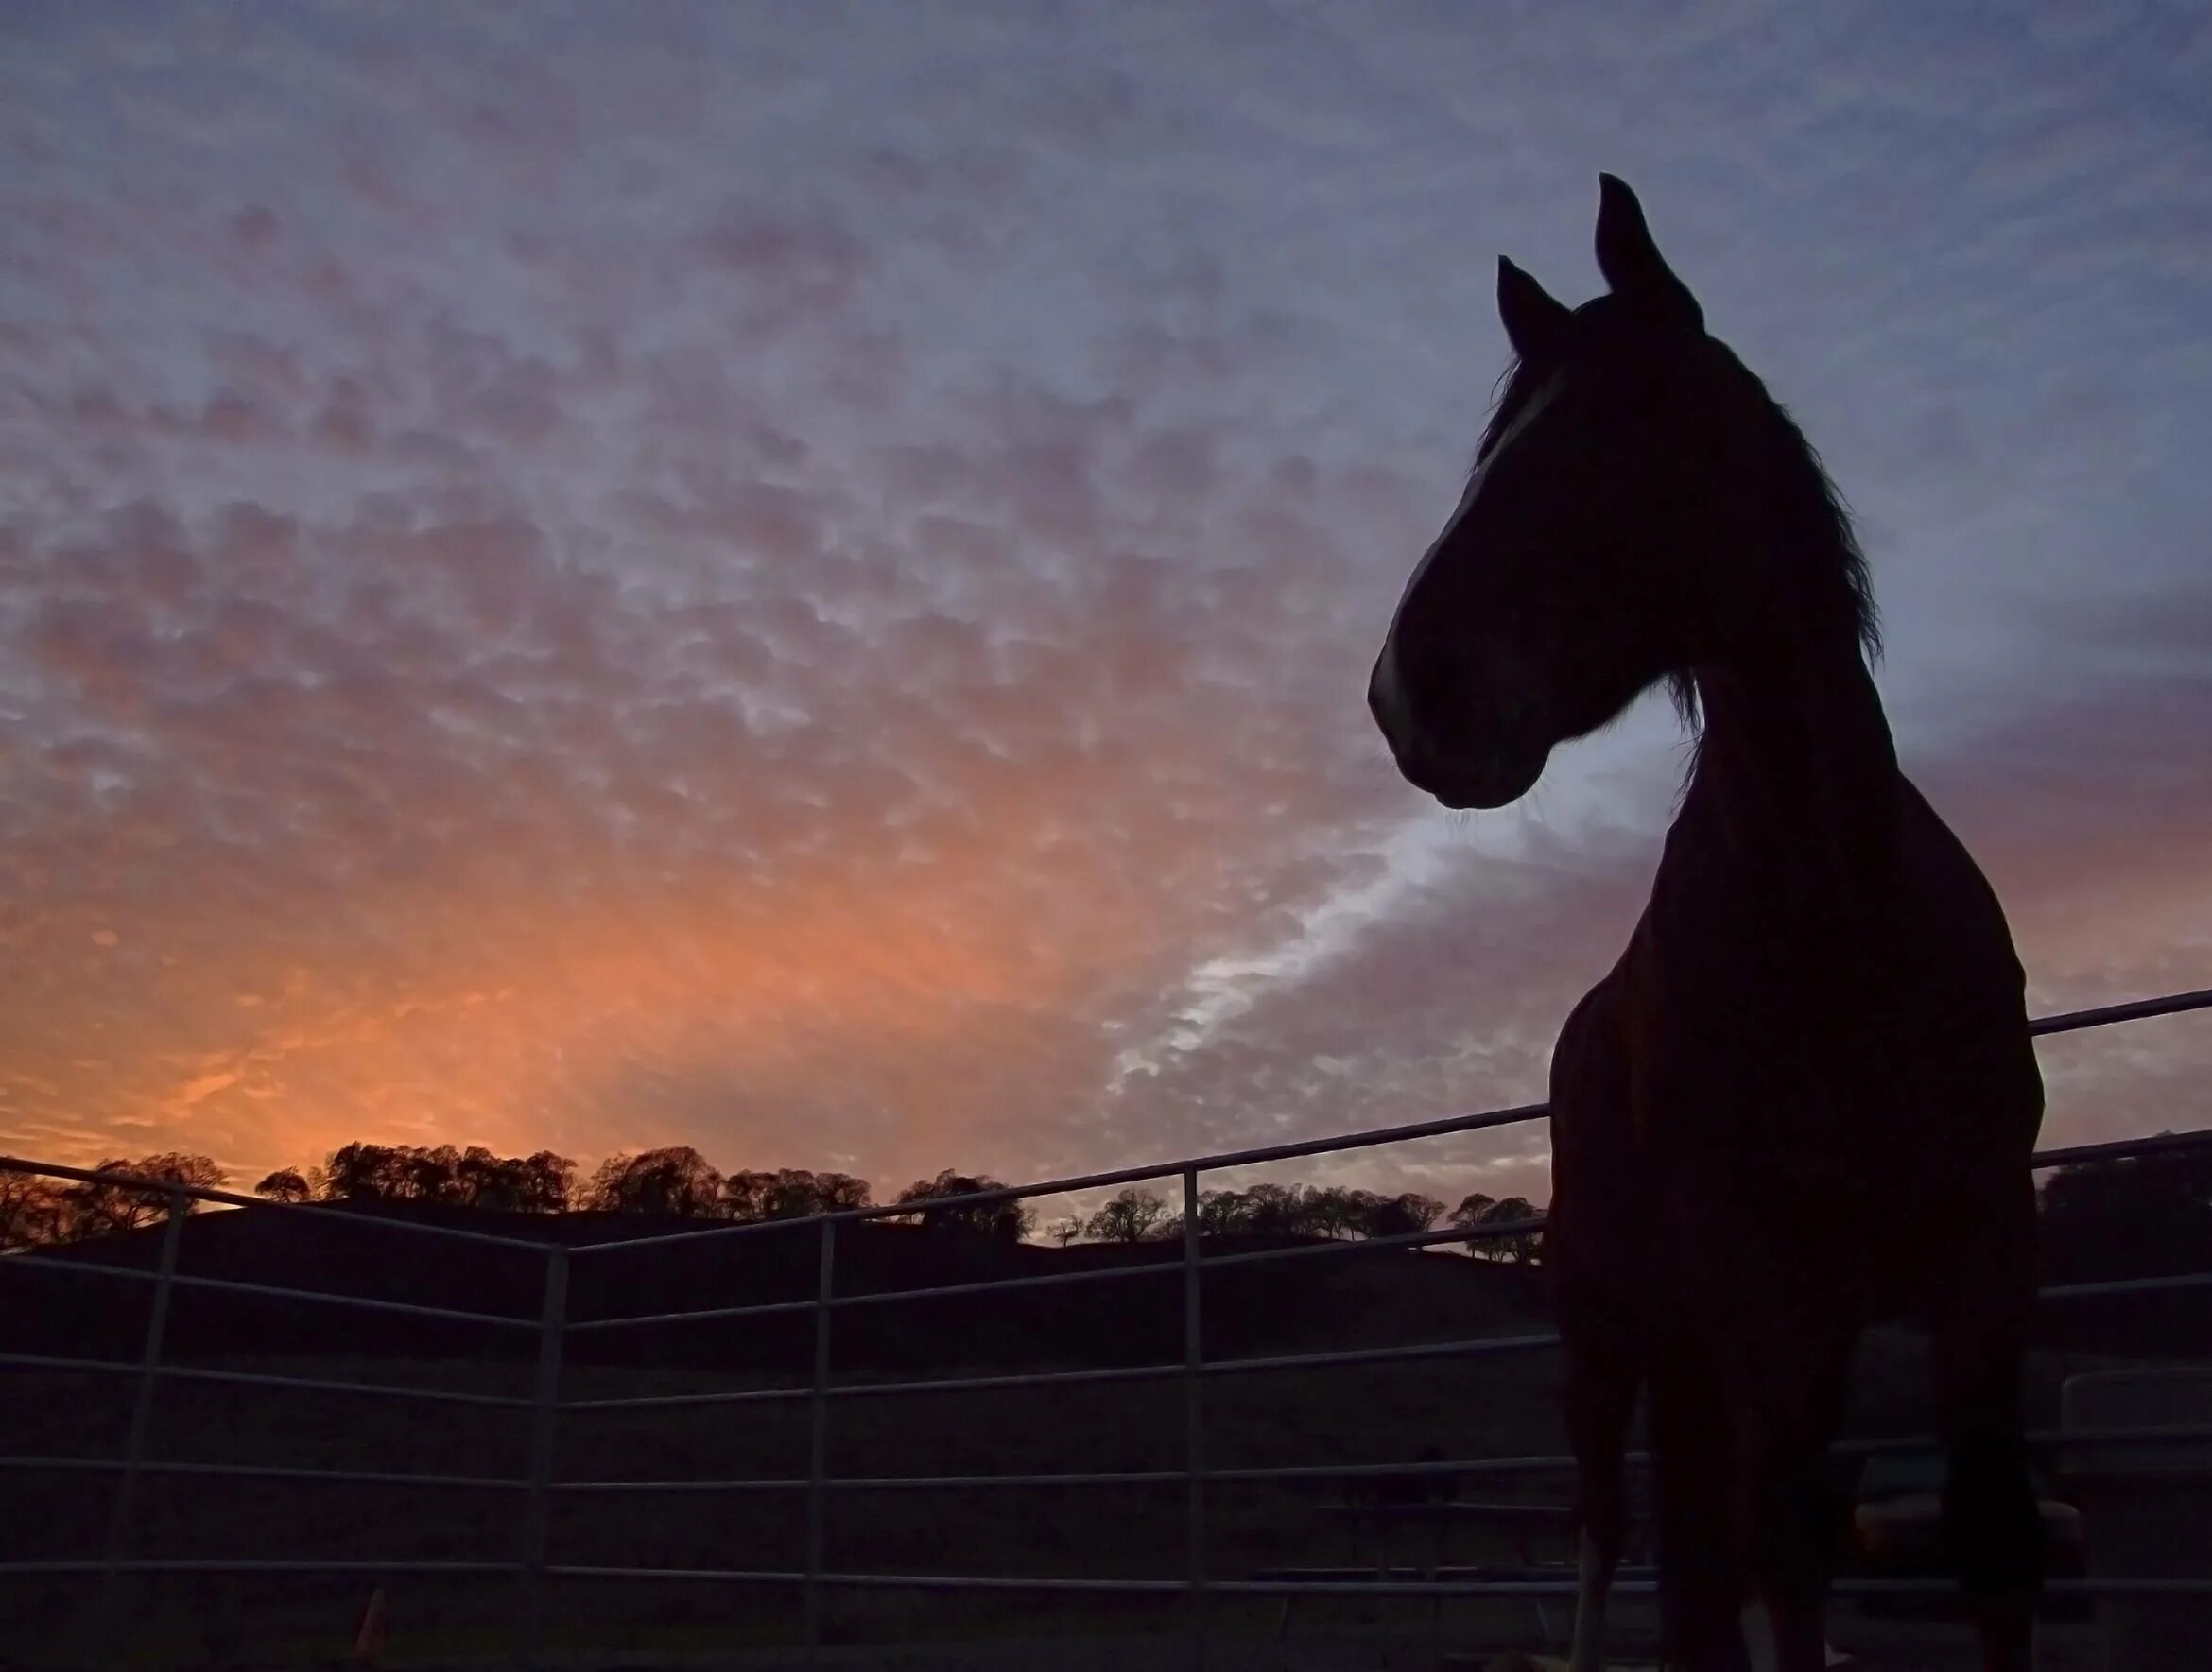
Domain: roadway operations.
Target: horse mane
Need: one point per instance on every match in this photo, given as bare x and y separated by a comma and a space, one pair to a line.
1810, 507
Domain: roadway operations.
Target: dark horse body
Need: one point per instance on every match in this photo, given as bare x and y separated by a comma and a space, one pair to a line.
1806, 1097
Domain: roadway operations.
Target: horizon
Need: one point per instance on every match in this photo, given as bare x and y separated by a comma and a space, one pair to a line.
802, 586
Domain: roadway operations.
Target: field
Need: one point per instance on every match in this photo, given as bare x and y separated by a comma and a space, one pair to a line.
1476, 1407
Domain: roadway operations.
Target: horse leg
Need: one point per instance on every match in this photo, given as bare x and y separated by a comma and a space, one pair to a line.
1604, 1365
1792, 1514
1693, 1461
1990, 1523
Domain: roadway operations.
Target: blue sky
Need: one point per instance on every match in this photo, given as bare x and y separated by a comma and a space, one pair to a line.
800, 580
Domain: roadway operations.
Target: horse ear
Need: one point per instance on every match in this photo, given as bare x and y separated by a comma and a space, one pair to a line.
1533, 322
1630, 260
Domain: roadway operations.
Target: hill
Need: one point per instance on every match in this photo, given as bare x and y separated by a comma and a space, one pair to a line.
1354, 1297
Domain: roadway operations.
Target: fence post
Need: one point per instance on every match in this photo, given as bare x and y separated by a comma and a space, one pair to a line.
109, 1622
1193, 1420
818, 1442
537, 1502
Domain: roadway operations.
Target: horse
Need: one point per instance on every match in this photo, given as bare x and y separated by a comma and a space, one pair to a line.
1804, 1099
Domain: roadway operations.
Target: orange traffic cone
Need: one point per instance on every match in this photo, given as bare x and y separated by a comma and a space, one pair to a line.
369, 1640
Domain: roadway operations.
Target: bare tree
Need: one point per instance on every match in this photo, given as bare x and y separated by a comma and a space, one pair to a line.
34, 1212
1129, 1216
102, 1208
1221, 1212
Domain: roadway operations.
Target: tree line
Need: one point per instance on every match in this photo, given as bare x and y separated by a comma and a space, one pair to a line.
678, 1182
36, 1212
1336, 1212
672, 1181
2100, 1218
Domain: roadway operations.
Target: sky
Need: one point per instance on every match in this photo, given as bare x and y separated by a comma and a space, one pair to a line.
800, 580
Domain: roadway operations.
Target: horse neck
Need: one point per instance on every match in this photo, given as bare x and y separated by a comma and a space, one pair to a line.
1797, 775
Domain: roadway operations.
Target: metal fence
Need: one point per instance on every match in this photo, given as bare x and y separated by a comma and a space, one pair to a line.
545, 1411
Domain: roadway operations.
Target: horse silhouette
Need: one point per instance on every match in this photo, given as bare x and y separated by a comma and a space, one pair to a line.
1805, 1097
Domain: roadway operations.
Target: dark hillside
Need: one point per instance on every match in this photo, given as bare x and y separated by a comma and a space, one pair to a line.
1351, 1297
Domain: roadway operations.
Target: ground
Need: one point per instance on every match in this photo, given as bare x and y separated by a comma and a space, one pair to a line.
1499, 1405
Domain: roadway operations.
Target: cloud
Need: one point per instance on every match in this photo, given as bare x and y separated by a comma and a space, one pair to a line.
736, 582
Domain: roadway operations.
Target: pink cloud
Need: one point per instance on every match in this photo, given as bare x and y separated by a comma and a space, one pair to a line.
614, 609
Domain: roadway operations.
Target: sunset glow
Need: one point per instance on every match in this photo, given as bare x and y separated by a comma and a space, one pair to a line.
789, 583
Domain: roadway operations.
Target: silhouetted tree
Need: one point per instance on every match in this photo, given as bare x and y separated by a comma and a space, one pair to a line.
1520, 1247
474, 1178
1468, 1214
676, 1180
1221, 1212
542, 1182
1002, 1221
539, 1183
1306, 1210
1282, 1210
37, 1212
286, 1184
433, 1174
1401, 1216
792, 1193
34, 1212
745, 1195
1337, 1211
369, 1172
1067, 1230
838, 1193
103, 1208
199, 1172
477, 1179
1131, 1216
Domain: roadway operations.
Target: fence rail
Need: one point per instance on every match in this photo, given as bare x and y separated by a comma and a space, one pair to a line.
547, 1408
32, 1463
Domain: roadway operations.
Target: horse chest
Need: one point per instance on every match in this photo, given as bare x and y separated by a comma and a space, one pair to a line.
1748, 1048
